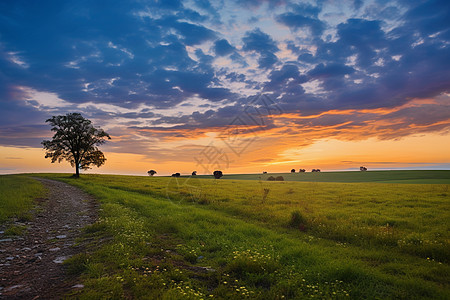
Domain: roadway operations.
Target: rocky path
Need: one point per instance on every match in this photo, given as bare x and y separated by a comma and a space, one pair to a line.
31, 265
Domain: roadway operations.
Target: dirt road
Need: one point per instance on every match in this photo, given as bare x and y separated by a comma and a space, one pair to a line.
31, 265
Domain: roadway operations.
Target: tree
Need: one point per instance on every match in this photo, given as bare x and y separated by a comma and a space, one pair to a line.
293, 171
217, 174
194, 173
75, 140
151, 172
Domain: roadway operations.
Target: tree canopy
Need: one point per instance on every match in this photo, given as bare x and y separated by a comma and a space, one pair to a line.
76, 141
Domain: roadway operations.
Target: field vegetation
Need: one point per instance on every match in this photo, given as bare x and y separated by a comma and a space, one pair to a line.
401, 176
16, 198
193, 238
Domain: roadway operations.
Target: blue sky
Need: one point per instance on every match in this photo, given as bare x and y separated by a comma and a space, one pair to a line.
165, 77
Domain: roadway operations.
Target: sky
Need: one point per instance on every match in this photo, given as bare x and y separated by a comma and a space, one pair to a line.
239, 86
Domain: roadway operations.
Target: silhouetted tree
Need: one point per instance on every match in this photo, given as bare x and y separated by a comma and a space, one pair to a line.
151, 172
176, 175
217, 174
301, 170
194, 173
362, 168
75, 140
293, 171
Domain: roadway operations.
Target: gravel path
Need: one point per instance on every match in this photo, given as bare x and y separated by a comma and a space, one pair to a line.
31, 265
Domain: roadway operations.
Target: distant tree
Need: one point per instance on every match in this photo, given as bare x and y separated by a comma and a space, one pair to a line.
194, 173
315, 170
176, 175
151, 172
293, 171
362, 168
217, 174
75, 140
264, 172
301, 170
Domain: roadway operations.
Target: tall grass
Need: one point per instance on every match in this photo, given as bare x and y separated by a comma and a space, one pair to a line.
16, 196
159, 238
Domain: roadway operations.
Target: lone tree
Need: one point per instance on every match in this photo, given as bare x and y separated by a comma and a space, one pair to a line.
75, 140
151, 172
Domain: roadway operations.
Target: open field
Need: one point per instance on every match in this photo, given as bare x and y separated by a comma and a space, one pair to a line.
428, 176
16, 196
169, 238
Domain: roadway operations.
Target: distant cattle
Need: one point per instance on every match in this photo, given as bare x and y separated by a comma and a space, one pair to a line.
301, 170
194, 173
217, 174
315, 170
363, 169
176, 175
264, 172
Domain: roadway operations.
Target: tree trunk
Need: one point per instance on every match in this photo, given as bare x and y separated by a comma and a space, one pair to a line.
77, 170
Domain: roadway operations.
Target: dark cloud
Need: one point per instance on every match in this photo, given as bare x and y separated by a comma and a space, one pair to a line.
222, 47
331, 70
263, 44
299, 21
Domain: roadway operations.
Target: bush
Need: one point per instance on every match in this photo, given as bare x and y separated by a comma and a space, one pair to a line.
297, 221
271, 178
279, 178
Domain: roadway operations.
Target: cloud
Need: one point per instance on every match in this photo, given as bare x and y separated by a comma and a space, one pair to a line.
297, 21
262, 43
222, 47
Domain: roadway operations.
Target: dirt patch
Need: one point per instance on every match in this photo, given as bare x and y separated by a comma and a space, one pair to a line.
31, 265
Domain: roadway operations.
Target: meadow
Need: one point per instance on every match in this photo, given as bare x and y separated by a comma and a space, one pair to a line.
400, 176
16, 197
198, 238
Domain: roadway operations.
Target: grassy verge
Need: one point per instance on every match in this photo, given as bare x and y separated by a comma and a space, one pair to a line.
17, 193
168, 239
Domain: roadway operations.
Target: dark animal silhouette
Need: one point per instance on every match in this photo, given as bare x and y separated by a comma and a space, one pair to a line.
217, 174
176, 175
194, 173
264, 172
362, 168
315, 170
301, 170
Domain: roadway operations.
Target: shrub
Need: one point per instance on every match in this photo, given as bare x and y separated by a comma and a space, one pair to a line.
297, 221
271, 178
279, 178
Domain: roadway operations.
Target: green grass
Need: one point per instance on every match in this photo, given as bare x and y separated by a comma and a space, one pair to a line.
168, 238
412, 177
17, 193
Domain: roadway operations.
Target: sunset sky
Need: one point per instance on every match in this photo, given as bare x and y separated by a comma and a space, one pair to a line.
240, 86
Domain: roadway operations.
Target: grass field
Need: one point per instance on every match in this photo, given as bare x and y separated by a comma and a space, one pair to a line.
16, 196
192, 238
427, 176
